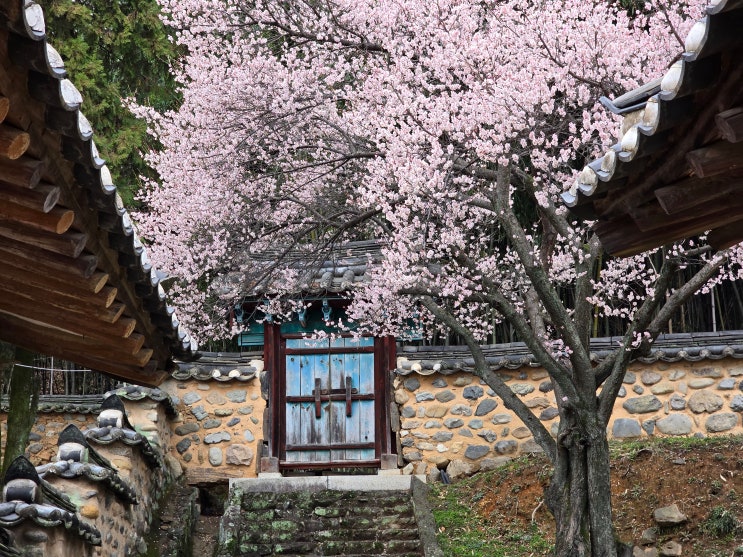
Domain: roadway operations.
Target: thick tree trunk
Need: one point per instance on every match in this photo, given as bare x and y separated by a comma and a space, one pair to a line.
23, 402
579, 495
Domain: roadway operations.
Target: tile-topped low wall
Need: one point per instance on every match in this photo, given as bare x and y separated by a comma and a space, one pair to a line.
219, 426
451, 420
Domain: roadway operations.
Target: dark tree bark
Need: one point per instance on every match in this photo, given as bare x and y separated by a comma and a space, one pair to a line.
23, 401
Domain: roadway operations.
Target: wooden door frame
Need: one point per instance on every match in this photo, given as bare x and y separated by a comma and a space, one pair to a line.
275, 362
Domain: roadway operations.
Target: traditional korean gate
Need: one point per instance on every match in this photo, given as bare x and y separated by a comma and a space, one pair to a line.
330, 415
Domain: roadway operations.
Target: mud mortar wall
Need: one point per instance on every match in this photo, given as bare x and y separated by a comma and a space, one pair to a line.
123, 526
456, 422
218, 429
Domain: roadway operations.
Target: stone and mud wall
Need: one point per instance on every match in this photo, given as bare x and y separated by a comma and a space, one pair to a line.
109, 477
450, 420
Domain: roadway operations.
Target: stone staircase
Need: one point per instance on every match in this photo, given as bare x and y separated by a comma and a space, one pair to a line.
334, 515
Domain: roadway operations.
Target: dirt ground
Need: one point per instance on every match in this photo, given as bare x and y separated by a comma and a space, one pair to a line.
697, 475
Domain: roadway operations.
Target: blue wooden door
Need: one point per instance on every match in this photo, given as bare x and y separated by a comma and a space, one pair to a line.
330, 401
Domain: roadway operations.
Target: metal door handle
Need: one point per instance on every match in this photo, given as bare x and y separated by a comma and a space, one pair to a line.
348, 396
317, 393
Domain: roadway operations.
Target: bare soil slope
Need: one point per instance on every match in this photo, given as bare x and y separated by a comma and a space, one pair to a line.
500, 512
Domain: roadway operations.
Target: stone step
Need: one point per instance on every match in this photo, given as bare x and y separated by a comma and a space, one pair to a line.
308, 519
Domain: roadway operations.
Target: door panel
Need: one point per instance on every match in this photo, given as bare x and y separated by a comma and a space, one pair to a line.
330, 406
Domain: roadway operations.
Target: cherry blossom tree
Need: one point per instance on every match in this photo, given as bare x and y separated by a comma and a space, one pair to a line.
446, 129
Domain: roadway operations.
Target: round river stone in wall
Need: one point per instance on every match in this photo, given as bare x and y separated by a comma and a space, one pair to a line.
642, 404
462, 381
676, 374
215, 456
241, 455
705, 401
521, 432
461, 410
650, 377
407, 412
549, 414
191, 427
726, 384
453, 423
423, 396
506, 447
445, 396
211, 423
663, 388
412, 384
473, 452
675, 424
545, 386
638, 389
441, 436
625, 428
486, 407
473, 392
499, 419
217, 437
700, 383
622, 392
737, 403
522, 388
488, 434
721, 422
677, 402
440, 383
401, 397
629, 378
707, 372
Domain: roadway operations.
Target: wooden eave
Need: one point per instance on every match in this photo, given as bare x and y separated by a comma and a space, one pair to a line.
75, 281
678, 172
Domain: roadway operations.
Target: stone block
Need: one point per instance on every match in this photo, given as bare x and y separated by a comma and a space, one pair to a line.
453, 423
642, 405
185, 429
500, 419
237, 395
445, 396
436, 410
486, 407
650, 377
473, 392
626, 428
522, 389
191, 398
675, 424
663, 388
412, 384
701, 383
669, 516
240, 455
705, 401
424, 396
717, 423
215, 456
549, 414
474, 452
461, 410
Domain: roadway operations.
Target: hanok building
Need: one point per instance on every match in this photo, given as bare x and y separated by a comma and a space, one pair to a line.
75, 281
328, 397
678, 169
